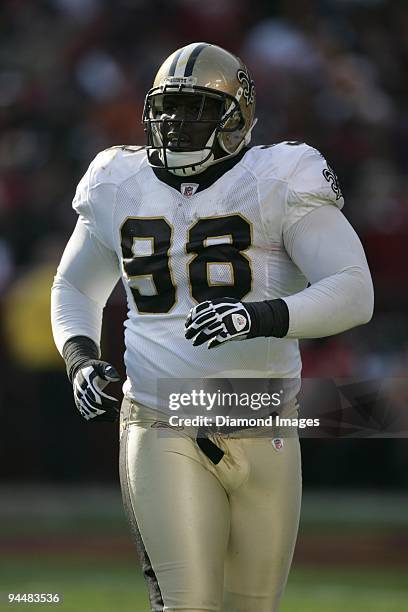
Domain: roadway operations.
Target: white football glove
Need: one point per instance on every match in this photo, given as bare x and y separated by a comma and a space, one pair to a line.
88, 384
218, 321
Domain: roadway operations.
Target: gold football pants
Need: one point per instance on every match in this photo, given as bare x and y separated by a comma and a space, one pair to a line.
210, 537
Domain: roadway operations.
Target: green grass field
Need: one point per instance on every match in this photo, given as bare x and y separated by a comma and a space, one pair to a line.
350, 558
102, 586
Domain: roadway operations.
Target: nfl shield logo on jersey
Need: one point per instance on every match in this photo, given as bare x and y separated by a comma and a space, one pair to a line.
277, 444
188, 189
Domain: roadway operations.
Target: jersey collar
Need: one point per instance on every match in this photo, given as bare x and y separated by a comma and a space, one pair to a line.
203, 180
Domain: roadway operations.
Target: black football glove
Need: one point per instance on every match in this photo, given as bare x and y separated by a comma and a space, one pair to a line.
218, 321
88, 383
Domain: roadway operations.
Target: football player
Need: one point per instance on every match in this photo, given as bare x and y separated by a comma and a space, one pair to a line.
214, 242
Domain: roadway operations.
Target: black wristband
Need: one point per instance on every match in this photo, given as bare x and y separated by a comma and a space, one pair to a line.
268, 318
77, 351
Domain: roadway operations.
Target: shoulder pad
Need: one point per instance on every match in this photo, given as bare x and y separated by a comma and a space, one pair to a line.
116, 164
276, 161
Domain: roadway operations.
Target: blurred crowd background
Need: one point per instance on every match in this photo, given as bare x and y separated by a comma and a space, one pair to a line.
73, 76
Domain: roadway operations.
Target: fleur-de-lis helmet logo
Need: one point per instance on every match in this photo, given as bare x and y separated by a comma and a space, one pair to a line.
248, 87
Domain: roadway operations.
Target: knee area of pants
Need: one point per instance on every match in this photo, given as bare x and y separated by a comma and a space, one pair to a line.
241, 603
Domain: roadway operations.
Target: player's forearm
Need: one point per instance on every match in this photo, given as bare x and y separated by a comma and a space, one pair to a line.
73, 314
332, 305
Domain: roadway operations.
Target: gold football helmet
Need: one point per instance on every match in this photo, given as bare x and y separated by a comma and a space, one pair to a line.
207, 71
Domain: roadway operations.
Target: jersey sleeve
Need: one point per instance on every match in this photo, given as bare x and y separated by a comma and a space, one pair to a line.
85, 278
311, 184
329, 253
95, 198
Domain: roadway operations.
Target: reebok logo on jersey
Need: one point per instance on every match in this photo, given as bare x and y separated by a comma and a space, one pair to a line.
188, 189
239, 321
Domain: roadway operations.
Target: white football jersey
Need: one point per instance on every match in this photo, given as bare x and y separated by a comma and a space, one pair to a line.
182, 244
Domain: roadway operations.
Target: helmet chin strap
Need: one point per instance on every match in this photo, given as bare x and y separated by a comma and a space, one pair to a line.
195, 160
